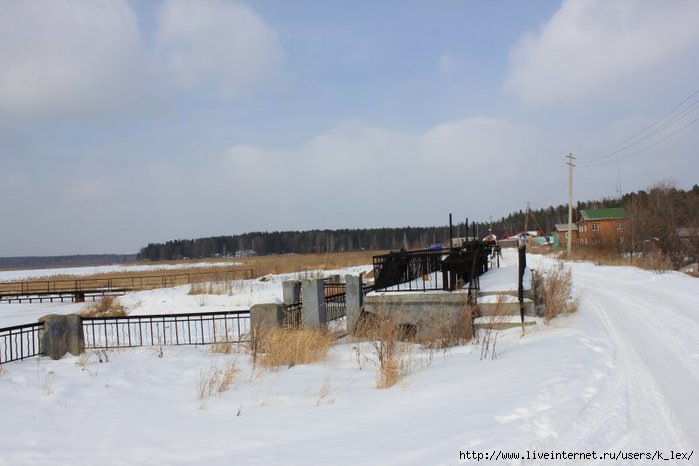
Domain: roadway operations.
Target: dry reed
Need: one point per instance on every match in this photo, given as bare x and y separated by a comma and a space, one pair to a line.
386, 336
217, 380
106, 306
553, 290
292, 346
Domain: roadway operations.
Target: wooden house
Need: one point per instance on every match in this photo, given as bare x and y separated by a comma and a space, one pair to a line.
605, 227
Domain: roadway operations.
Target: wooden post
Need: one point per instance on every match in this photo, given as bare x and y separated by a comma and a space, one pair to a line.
522, 250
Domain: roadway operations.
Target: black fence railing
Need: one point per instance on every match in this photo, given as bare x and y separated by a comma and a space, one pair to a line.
335, 300
167, 329
437, 269
19, 342
294, 315
396, 268
335, 306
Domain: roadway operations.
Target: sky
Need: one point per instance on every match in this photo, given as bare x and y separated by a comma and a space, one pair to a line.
128, 122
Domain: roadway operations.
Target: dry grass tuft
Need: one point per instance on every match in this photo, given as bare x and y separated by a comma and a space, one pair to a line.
289, 263
217, 380
553, 289
291, 346
386, 335
491, 327
221, 287
222, 347
653, 259
106, 306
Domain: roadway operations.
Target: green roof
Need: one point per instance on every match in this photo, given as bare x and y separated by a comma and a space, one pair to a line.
603, 214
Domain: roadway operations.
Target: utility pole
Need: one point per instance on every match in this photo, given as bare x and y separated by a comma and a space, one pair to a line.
570, 200
526, 219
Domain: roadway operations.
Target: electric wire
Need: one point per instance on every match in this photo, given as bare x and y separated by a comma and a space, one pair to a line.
612, 150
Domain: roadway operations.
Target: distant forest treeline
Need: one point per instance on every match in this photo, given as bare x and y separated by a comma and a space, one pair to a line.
300, 242
65, 261
684, 206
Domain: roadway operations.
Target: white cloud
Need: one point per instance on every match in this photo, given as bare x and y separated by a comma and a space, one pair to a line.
87, 57
63, 57
592, 49
214, 45
357, 174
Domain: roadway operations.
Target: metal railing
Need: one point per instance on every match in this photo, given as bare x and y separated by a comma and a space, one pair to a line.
335, 300
424, 270
40, 290
294, 315
166, 329
396, 268
20, 342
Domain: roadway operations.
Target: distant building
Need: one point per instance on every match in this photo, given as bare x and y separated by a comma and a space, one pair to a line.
245, 253
603, 226
561, 232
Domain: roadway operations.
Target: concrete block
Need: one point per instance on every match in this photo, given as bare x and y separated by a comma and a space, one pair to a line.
291, 291
354, 300
428, 312
75, 339
266, 316
314, 312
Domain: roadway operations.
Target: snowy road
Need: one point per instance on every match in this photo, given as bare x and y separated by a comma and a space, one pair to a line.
650, 400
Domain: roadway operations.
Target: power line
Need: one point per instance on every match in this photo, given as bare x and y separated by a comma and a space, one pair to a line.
648, 136
631, 154
615, 148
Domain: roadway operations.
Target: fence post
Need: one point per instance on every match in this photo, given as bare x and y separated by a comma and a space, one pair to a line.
522, 253
61, 334
314, 313
291, 291
354, 300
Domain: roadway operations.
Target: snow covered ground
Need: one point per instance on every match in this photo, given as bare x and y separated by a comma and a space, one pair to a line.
176, 300
17, 275
621, 374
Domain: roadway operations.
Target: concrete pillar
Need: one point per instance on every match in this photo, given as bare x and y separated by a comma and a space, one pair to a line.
266, 316
291, 291
61, 334
354, 300
75, 336
313, 291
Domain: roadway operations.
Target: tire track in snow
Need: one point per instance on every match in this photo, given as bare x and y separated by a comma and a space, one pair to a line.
650, 401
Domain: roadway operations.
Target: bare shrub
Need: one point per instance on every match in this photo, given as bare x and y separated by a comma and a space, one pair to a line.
106, 306
491, 327
324, 393
223, 347
553, 288
291, 346
217, 380
654, 260
197, 288
386, 335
